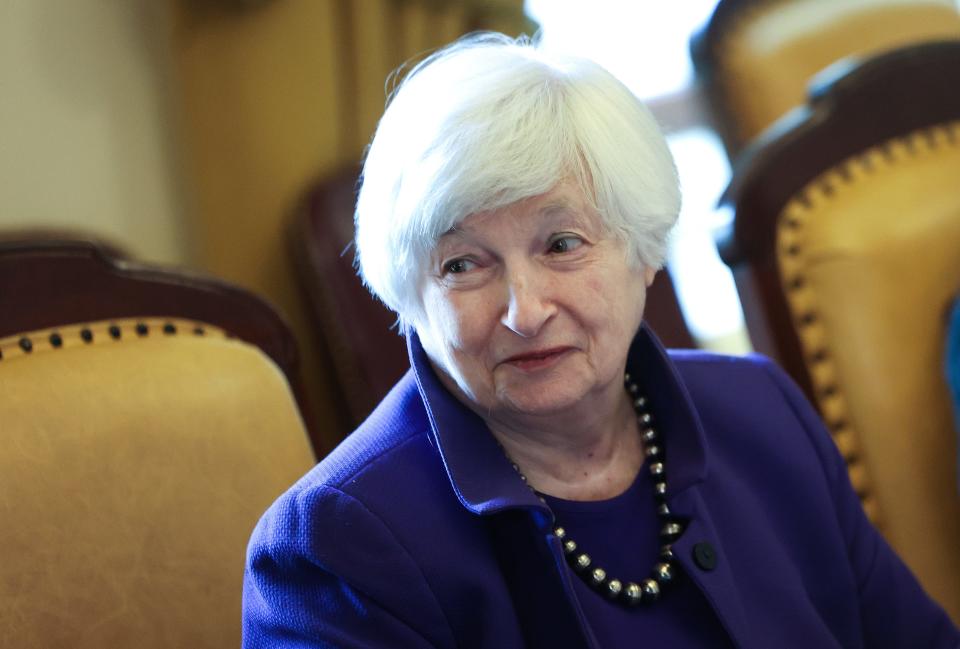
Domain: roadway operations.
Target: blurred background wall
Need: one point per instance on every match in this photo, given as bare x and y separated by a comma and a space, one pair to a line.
88, 136
274, 94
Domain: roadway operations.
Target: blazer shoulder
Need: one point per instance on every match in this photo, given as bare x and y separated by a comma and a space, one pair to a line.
399, 419
732, 373
397, 424
689, 359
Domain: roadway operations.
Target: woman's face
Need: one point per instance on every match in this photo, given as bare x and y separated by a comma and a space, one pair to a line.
530, 309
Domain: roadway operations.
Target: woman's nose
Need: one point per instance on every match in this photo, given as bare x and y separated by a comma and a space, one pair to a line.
529, 305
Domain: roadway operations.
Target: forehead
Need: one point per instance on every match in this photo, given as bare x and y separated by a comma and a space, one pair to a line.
565, 204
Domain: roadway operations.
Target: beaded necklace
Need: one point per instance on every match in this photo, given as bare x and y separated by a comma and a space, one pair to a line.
646, 591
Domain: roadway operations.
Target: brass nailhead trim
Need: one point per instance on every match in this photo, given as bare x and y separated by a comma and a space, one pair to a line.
115, 331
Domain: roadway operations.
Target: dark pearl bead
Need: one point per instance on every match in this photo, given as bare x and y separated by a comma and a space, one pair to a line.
663, 572
614, 587
633, 593
670, 532
570, 546
598, 576
651, 590
583, 561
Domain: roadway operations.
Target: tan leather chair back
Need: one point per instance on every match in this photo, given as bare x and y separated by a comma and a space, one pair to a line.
763, 53
137, 456
846, 250
147, 418
870, 261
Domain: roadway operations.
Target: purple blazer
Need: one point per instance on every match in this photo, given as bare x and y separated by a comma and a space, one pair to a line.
417, 532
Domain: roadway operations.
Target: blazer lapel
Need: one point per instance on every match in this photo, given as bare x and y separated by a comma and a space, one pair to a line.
542, 599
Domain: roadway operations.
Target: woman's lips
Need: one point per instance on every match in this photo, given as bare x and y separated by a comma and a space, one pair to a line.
538, 359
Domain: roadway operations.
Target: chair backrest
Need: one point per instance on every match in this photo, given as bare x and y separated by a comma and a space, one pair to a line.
141, 442
756, 57
361, 346
846, 249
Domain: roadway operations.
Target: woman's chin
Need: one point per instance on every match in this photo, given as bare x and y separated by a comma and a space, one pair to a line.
543, 397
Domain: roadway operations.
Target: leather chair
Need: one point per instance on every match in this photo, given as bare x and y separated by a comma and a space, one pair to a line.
846, 250
148, 420
755, 58
360, 345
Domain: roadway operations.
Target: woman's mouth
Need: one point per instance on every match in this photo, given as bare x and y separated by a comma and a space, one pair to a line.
538, 359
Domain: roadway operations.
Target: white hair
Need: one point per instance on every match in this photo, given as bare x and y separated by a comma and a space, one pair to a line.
488, 121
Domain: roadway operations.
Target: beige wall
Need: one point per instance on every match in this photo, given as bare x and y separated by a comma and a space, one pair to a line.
86, 134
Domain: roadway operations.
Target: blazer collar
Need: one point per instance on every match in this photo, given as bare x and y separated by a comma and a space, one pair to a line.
482, 476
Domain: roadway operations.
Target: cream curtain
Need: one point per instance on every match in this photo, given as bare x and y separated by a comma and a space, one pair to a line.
275, 93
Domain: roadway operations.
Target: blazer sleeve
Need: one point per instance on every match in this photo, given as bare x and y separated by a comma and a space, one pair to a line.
324, 571
895, 610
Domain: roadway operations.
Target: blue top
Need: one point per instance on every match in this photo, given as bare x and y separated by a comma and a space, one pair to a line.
416, 532
953, 372
621, 535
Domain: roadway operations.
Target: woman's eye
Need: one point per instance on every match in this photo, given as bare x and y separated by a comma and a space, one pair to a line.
458, 266
565, 243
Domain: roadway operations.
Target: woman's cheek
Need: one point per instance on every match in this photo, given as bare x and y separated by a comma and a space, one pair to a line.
452, 321
471, 320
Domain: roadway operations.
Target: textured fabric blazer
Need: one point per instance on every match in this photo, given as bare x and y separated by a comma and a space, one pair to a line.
417, 532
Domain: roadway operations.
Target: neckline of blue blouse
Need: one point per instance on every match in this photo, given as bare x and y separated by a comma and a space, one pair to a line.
483, 478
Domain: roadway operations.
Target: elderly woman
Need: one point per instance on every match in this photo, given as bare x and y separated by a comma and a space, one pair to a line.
545, 475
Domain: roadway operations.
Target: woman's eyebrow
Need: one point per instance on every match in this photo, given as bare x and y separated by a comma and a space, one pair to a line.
455, 231
566, 212
558, 206
555, 209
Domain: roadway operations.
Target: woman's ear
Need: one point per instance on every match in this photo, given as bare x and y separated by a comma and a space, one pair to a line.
648, 274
